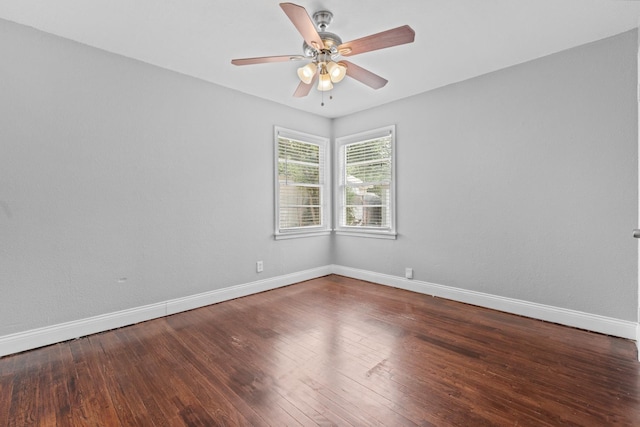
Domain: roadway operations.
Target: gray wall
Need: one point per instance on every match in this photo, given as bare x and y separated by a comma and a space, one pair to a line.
111, 168
520, 183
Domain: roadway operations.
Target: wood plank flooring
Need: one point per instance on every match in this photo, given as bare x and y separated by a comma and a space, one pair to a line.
330, 351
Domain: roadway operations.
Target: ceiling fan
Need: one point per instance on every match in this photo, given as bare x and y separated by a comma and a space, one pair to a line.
325, 49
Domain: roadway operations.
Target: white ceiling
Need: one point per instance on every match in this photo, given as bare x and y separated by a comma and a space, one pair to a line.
455, 39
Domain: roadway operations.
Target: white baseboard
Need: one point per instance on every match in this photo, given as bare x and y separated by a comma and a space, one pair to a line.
21, 341
34, 338
563, 316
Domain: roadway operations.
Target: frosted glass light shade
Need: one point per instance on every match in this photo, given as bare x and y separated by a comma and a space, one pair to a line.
307, 72
336, 71
324, 82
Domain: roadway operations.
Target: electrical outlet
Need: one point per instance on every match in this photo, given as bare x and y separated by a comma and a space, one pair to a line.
259, 266
408, 273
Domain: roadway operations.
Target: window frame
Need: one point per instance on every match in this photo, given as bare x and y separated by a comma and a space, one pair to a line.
325, 185
339, 187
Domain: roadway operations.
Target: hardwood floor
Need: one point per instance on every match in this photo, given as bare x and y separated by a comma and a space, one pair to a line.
330, 351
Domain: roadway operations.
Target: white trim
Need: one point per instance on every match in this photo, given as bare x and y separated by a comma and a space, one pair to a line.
21, 341
325, 184
370, 234
34, 338
212, 297
577, 319
47, 335
296, 235
339, 184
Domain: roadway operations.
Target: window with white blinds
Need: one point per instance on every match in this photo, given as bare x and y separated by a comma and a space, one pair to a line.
365, 196
301, 176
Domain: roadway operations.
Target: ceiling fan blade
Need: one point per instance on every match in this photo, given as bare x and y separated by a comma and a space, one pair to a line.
389, 38
266, 59
300, 18
303, 89
364, 76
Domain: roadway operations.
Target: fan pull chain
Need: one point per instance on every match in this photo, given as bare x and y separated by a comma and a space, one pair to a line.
330, 97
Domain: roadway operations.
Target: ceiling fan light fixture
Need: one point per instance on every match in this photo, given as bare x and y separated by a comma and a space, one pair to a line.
336, 71
307, 72
323, 49
324, 82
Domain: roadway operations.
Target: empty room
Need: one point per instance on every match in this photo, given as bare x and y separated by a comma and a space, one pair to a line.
412, 213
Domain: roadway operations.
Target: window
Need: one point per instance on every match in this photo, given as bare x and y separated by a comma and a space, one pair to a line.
301, 176
365, 194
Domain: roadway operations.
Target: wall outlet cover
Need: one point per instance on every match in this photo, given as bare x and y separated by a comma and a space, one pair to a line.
408, 273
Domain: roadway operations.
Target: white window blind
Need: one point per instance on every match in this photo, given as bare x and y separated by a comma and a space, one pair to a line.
300, 183
365, 194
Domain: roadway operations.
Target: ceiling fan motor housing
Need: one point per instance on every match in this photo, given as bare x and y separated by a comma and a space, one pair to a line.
331, 42
323, 18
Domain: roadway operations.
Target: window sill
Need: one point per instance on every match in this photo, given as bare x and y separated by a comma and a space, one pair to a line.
368, 233
297, 235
